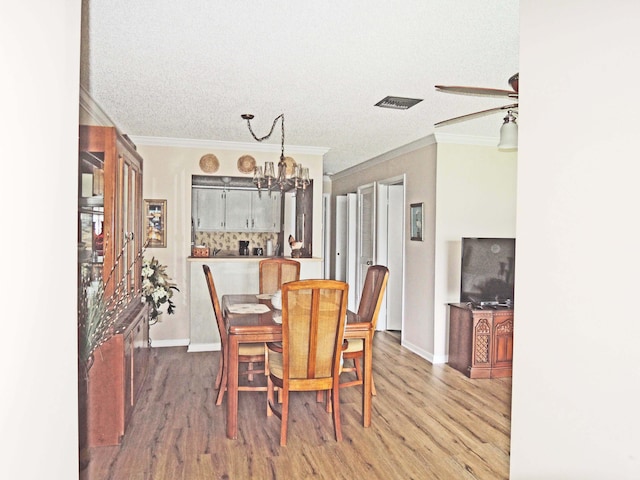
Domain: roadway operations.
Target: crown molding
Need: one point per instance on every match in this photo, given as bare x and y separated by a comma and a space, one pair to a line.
390, 155
220, 145
93, 109
432, 139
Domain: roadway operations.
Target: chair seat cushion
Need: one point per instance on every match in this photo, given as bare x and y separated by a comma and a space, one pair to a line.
251, 349
355, 345
275, 364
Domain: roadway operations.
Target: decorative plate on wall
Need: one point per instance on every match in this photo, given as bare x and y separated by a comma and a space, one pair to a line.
291, 165
209, 163
246, 164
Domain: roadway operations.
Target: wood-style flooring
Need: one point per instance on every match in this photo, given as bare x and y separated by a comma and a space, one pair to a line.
428, 422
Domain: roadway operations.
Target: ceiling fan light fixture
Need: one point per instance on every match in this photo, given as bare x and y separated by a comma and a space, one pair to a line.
508, 133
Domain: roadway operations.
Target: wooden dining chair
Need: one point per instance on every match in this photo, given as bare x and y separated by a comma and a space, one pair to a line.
249, 353
375, 284
276, 271
308, 358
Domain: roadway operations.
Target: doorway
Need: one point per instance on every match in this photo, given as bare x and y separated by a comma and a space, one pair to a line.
390, 235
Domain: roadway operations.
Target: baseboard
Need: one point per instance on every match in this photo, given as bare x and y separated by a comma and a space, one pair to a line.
204, 347
424, 354
174, 342
440, 359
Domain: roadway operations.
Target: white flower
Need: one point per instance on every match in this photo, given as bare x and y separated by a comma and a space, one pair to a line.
157, 287
158, 294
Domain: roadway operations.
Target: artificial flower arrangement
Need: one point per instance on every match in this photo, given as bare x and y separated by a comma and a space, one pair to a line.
98, 313
157, 287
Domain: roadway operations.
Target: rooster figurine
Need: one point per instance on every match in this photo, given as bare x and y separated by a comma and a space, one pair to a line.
296, 247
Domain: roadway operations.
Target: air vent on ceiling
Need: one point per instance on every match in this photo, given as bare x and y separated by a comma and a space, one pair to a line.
399, 103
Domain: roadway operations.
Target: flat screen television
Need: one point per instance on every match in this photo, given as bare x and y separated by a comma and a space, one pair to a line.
487, 275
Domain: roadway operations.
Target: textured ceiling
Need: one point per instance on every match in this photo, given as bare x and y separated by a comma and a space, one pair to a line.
188, 69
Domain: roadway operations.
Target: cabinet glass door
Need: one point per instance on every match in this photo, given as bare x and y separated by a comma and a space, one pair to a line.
90, 216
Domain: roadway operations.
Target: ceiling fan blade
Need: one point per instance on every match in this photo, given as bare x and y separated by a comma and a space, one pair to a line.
481, 113
485, 92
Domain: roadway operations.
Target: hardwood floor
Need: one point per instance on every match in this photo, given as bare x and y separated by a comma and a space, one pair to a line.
428, 422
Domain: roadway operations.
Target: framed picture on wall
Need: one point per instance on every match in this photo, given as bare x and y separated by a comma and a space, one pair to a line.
155, 212
417, 221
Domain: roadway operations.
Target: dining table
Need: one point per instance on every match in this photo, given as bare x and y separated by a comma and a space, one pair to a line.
251, 318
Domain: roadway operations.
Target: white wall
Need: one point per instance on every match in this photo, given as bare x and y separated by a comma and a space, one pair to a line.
168, 167
476, 192
39, 54
576, 375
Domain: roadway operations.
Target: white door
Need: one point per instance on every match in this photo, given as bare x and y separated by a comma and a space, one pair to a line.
352, 256
326, 235
366, 233
395, 256
341, 238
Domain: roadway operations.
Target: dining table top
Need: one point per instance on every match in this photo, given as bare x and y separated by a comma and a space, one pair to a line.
244, 321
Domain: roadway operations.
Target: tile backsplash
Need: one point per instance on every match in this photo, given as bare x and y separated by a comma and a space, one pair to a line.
229, 240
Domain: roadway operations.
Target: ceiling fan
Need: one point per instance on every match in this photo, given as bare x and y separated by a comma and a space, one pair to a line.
484, 92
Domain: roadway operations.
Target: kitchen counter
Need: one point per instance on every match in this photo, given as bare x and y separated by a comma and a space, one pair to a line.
235, 256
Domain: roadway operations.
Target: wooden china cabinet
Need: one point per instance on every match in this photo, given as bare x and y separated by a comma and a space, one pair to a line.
110, 245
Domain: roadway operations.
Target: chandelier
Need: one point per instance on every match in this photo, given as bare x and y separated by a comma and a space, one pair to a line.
267, 178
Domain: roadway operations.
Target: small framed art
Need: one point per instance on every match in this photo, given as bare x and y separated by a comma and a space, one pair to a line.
417, 221
156, 217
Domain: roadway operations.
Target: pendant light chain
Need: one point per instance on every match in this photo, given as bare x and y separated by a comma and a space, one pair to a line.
273, 126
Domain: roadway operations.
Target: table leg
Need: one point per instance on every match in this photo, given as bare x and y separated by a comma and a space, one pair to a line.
232, 387
368, 379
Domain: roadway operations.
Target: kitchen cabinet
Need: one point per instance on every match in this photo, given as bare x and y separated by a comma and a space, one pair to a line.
236, 210
481, 340
265, 211
209, 207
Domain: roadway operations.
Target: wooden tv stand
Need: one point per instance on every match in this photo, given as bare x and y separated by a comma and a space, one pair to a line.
481, 340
